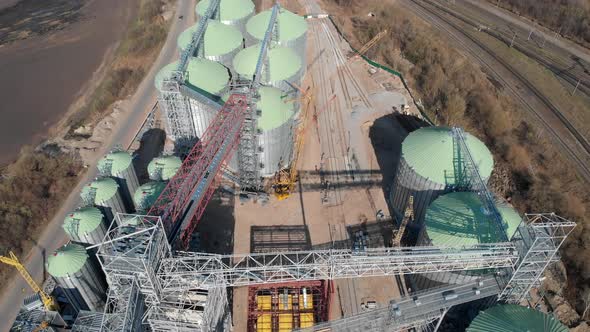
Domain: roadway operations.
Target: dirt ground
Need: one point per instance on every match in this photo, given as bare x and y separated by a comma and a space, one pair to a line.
329, 225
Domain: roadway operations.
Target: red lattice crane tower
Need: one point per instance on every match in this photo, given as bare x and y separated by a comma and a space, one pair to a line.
186, 195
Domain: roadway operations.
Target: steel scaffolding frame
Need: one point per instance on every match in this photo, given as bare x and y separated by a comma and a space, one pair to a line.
175, 105
248, 160
88, 321
124, 307
200, 270
539, 241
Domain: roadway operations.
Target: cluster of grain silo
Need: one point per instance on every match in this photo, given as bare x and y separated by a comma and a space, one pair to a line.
230, 51
79, 275
428, 167
104, 193
459, 219
292, 30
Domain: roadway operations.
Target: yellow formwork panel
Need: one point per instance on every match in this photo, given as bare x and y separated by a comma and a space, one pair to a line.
285, 322
263, 302
264, 323
306, 303
306, 320
288, 305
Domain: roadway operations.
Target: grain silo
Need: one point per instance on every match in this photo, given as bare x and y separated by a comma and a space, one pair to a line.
514, 318
221, 43
104, 193
427, 168
460, 219
231, 12
80, 277
86, 225
284, 66
209, 80
276, 123
291, 28
163, 168
147, 194
119, 165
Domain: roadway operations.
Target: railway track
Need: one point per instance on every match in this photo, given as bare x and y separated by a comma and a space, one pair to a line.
424, 10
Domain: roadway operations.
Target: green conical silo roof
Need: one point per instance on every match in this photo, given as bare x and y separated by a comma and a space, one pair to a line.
204, 74
459, 219
429, 152
283, 62
276, 108
220, 38
515, 318
168, 164
105, 189
66, 260
146, 195
229, 10
119, 161
82, 221
290, 26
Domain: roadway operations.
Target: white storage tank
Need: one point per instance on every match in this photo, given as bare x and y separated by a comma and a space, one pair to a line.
284, 69
163, 168
427, 168
222, 42
209, 80
276, 124
291, 28
231, 12
79, 276
86, 225
460, 219
147, 194
119, 165
104, 193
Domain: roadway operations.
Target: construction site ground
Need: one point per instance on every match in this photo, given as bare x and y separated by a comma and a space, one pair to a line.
348, 160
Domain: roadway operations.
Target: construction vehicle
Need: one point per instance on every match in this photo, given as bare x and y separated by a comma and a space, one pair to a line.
47, 300
408, 215
285, 179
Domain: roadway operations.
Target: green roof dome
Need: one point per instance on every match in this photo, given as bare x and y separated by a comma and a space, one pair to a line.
229, 10
515, 318
290, 26
105, 189
459, 218
429, 152
283, 62
82, 221
207, 75
168, 165
66, 260
219, 38
275, 111
119, 160
146, 195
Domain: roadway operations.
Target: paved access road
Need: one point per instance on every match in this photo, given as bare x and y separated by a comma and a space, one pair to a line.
123, 133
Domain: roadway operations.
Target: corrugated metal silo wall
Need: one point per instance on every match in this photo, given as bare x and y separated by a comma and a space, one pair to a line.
407, 183
94, 237
299, 46
128, 183
287, 84
86, 288
432, 280
277, 147
115, 204
202, 116
226, 59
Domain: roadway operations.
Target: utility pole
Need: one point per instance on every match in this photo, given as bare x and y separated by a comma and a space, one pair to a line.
576, 88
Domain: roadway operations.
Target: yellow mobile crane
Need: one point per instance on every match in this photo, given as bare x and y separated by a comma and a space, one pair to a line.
408, 215
48, 301
285, 179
